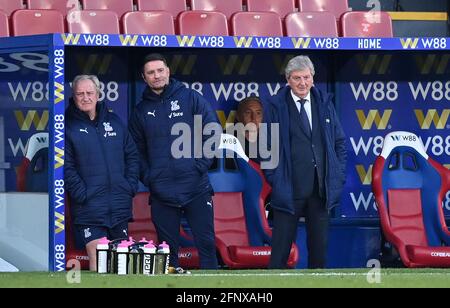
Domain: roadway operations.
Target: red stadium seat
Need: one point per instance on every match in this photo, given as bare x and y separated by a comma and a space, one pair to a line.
336, 7
174, 7
227, 7
281, 7
256, 24
9, 6
29, 22
63, 6
93, 22
157, 22
120, 7
409, 189
366, 24
202, 23
4, 24
311, 24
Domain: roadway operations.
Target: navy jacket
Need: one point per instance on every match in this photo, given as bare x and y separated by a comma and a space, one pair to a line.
276, 111
101, 167
171, 180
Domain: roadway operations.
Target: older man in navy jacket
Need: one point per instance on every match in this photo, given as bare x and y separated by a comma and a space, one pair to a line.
311, 172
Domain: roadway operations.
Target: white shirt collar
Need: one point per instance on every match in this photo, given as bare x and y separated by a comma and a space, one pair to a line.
296, 98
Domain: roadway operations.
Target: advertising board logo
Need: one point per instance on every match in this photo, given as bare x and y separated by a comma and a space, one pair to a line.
32, 117
373, 64
242, 41
70, 38
128, 40
180, 64
301, 42
59, 158
432, 116
237, 63
409, 43
59, 92
59, 222
374, 117
432, 63
94, 64
186, 40
364, 175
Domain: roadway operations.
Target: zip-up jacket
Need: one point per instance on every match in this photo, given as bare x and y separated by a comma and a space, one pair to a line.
101, 167
173, 179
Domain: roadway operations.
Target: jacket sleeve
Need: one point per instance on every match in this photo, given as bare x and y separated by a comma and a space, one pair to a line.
268, 119
131, 162
137, 132
203, 107
339, 145
73, 182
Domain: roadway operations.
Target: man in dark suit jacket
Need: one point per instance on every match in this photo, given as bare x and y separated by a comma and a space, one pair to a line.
308, 180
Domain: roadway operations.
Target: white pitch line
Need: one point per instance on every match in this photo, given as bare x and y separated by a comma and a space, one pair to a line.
312, 274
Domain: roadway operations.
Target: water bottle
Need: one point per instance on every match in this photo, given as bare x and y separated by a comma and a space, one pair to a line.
103, 255
122, 258
112, 264
135, 259
148, 261
162, 259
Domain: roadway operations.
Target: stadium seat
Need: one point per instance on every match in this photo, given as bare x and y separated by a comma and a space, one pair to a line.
4, 24
29, 22
202, 23
100, 21
9, 6
243, 236
227, 7
409, 188
174, 7
120, 7
366, 24
335, 7
281, 7
32, 175
63, 6
140, 22
311, 24
256, 24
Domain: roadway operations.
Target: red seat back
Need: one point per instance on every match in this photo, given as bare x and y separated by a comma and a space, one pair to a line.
93, 22
367, 24
29, 22
227, 7
157, 22
142, 225
4, 24
256, 24
63, 6
281, 7
174, 7
120, 7
335, 7
9, 6
202, 23
311, 24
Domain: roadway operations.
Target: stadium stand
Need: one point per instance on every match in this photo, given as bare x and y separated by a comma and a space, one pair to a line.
281, 7
9, 6
227, 7
409, 189
311, 24
120, 7
256, 24
63, 6
90, 21
366, 24
202, 23
174, 7
4, 24
29, 22
140, 22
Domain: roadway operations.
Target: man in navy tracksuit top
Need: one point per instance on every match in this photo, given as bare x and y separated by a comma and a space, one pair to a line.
177, 185
311, 172
101, 167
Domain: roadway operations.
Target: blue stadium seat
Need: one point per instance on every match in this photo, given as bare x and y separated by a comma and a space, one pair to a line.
32, 175
409, 189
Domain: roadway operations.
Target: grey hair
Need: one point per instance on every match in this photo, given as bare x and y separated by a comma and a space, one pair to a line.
299, 63
92, 78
